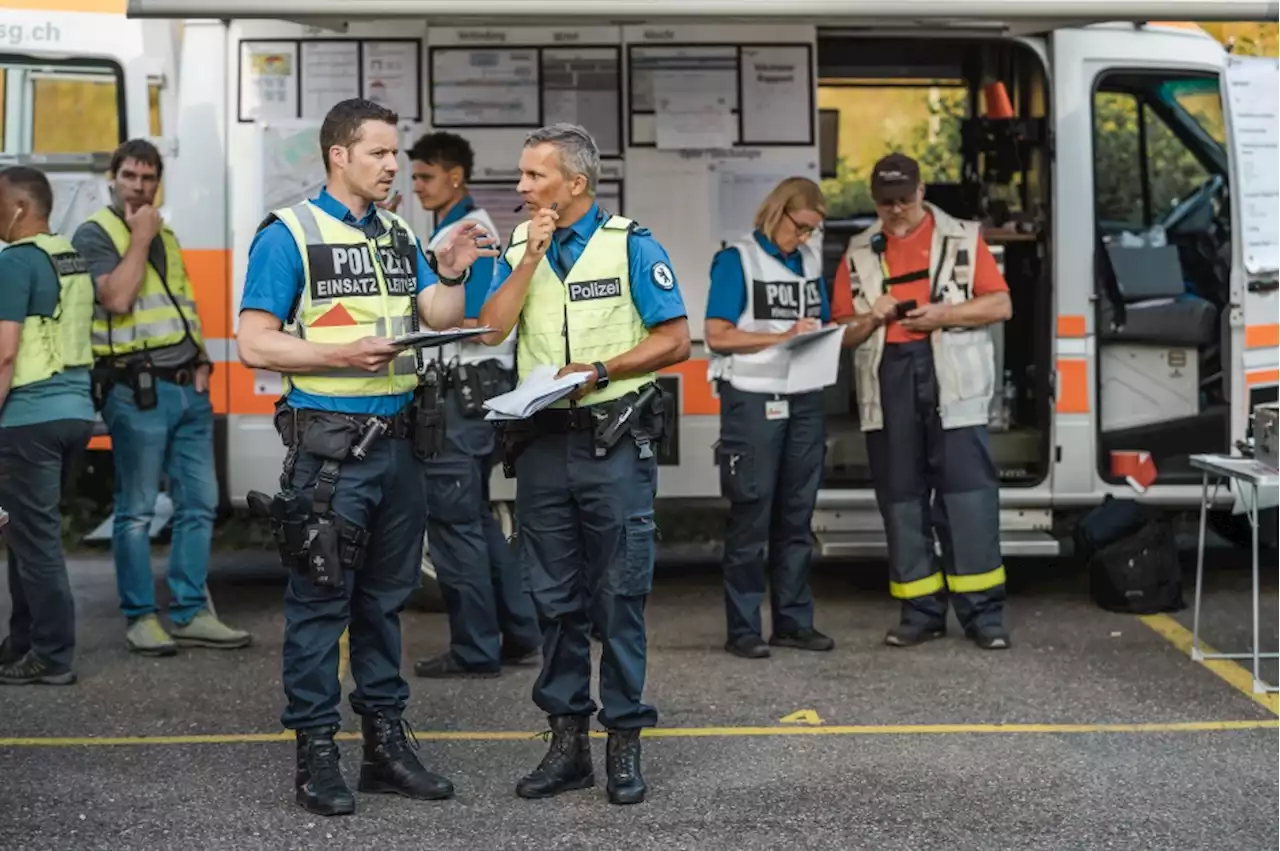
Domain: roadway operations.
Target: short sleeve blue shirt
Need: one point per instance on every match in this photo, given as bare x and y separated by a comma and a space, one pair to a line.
727, 295
481, 271
654, 288
274, 281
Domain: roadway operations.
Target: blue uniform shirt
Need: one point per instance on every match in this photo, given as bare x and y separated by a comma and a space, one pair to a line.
727, 296
481, 271
654, 289
274, 282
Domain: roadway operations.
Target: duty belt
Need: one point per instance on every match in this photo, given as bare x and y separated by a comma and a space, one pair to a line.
563, 420
398, 427
180, 375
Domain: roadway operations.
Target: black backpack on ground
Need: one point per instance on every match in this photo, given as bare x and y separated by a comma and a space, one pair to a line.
1132, 558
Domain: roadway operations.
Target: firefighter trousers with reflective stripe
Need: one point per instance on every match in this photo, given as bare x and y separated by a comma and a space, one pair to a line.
770, 470
930, 481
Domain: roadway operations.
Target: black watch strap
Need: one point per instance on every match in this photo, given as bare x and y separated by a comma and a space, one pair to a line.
602, 375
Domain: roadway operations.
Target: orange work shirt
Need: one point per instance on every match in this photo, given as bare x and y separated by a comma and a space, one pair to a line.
911, 254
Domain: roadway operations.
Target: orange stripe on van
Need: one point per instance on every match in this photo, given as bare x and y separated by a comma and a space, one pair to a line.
1262, 336
240, 381
210, 272
1073, 386
1071, 326
1262, 376
696, 394
105, 7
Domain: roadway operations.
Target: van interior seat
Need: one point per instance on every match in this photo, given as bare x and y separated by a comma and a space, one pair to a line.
1158, 309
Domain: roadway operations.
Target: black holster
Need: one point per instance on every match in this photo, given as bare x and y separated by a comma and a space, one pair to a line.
643, 416
514, 437
102, 377
428, 414
142, 381
476, 383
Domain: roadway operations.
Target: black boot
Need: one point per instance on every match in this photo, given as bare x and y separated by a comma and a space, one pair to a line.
320, 787
626, 784
389, 763
567, 764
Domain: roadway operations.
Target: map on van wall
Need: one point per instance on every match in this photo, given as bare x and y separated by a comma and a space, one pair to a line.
292, 169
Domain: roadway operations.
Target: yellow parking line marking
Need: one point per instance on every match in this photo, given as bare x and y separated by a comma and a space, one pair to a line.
1226, 669
344, 654
676, 732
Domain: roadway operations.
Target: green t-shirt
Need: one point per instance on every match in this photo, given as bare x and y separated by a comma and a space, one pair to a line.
29, 287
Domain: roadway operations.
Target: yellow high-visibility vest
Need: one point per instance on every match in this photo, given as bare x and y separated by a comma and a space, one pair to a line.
53, 344
164, 312
586, 318
353, 287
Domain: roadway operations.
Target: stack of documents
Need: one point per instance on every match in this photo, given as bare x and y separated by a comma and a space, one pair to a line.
427, 339
536, 392
815, 359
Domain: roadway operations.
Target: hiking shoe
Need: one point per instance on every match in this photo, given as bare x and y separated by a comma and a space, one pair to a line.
9, 652
205, 630
910, 634
446, 666
35, 670
803, 639
748, 647
147, 637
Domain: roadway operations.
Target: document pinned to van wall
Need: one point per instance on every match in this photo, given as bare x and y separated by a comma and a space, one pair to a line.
292, 169
1253, 89
739, 186
693, 106
330, 74
777, 95
268, 80
392, 76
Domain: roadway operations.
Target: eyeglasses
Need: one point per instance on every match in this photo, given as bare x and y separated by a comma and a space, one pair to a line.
802, 229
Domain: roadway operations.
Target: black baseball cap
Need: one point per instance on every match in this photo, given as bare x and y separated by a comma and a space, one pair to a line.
895, 178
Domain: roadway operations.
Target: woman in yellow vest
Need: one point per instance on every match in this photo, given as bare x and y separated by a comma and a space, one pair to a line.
46, 417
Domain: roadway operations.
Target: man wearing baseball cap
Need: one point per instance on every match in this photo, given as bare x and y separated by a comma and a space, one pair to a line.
925, 288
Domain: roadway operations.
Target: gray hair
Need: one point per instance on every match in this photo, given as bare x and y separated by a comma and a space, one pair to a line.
578, 151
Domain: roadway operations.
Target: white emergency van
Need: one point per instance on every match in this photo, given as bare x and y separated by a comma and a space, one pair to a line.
1125, 172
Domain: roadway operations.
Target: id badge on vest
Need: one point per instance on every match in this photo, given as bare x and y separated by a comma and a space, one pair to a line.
777, 409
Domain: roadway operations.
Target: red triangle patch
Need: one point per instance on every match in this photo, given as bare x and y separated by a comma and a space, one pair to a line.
336, 317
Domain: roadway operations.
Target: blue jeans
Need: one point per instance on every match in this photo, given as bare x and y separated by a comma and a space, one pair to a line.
175, 438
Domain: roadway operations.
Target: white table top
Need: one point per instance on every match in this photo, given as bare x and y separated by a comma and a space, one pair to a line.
1248, 470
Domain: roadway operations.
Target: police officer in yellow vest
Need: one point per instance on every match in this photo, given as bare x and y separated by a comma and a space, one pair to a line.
331, 282
46, 417
925, 289
593, 293
152, 384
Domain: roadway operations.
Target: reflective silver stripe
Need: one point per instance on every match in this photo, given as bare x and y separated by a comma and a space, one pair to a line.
310, 236
123, 336
761, 369
404, 365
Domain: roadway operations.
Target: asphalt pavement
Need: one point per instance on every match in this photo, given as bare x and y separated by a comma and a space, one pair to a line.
1095, 731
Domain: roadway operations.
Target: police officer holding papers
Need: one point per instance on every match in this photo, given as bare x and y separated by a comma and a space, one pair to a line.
764, 290
491, 616
594, 293
331, 282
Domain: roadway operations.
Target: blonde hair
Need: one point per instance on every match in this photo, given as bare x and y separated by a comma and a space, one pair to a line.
789, 196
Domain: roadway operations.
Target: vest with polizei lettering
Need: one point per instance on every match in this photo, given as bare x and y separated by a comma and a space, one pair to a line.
164, 311
53, 344
586, 318
469, 352
963, 358
353, 287
776, 298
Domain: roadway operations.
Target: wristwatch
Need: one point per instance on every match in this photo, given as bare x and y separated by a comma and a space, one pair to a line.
602, 375
434, 263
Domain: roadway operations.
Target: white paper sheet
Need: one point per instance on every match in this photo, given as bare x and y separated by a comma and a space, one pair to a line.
540, 389
777, 95
1253, 89
485, 86
815, 359
330, 73
268, 80
392, 76
693, 110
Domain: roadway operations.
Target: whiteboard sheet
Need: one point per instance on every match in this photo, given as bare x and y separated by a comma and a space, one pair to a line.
268, 80
693, 110
292, 169
330, 73
475, 87
777, 95
1253, 89
392, 76
584, 86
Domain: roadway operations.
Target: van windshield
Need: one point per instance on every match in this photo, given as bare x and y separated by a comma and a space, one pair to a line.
1200, 99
